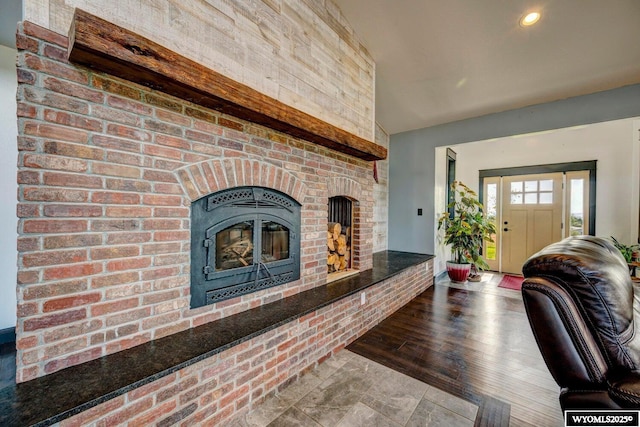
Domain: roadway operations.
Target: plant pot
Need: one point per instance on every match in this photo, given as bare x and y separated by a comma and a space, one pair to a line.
458, 272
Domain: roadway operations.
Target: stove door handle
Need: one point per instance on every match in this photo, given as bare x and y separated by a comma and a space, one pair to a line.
258, 265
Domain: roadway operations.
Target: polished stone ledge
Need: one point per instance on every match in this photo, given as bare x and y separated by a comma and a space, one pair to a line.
55, 397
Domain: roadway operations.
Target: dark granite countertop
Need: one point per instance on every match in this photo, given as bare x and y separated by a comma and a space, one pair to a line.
52, 398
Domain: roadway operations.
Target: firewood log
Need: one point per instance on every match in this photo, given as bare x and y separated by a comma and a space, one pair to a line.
335, 228
237, 250
330, 242
247, 250
341, 246
331, 259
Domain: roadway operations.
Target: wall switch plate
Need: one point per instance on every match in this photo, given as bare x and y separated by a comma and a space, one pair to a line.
363, 298
420, 212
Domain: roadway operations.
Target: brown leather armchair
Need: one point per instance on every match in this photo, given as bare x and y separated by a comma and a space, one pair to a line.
585, 317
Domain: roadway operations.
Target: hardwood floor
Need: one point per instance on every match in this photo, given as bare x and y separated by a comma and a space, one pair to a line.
473, 341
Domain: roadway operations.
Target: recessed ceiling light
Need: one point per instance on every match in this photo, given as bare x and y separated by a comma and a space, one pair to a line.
530, 19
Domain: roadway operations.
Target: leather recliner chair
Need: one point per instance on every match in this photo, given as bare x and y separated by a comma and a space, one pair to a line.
585, 317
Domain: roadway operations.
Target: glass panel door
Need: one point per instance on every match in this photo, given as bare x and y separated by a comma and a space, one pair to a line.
536, 209
531, 217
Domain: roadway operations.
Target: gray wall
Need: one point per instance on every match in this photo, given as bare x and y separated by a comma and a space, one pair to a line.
412, 154
8, 171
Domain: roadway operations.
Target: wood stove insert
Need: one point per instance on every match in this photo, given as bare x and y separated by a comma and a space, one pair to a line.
242, 240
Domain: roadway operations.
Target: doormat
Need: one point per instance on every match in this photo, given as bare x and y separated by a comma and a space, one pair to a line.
511, 282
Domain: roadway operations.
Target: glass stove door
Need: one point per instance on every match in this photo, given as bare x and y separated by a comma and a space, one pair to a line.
235, 246
275, 242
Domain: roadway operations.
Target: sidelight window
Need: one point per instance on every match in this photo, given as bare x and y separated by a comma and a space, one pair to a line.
577, 203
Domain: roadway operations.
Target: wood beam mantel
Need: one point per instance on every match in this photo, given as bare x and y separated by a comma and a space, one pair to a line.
104, 46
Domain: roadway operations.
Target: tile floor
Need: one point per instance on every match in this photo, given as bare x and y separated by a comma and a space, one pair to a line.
349, 390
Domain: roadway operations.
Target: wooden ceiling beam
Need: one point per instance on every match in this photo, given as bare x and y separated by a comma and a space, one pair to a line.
106, 47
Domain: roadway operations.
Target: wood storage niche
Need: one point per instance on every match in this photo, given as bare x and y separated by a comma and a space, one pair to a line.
339, 238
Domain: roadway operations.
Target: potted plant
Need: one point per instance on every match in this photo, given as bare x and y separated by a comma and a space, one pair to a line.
626, 250
465, 230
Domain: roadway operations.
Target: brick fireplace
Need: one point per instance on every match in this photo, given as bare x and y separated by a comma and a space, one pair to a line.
108, 172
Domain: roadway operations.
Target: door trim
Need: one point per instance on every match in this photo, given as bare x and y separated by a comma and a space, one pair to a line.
549, 168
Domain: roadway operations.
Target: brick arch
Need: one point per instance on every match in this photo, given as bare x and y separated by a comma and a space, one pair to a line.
201, 179
341, 186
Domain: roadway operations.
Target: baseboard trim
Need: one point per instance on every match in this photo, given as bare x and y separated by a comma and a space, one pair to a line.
7, 335
440, 275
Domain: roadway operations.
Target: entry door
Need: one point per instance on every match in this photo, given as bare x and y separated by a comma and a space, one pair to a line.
531, 217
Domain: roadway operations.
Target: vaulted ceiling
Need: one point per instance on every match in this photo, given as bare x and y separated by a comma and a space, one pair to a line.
439, 61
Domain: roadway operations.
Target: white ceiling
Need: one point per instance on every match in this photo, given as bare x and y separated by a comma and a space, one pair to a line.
439, 61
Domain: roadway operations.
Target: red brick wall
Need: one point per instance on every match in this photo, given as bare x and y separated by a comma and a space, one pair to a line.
107, 172
225, 386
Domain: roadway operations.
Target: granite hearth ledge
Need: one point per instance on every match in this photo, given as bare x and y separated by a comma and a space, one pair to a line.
55, 397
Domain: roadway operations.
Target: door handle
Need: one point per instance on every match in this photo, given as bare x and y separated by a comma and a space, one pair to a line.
506, 229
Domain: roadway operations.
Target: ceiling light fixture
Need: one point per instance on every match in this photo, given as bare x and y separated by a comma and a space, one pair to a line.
530, 19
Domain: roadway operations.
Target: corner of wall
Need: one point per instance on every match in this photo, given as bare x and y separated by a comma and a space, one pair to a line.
8, 171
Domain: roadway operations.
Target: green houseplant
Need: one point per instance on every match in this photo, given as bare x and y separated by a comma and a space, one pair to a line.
626, 250
466, 231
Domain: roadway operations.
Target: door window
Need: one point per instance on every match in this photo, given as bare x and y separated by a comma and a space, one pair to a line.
532, 192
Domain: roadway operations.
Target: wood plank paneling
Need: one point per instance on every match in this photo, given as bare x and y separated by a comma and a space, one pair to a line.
107, 47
